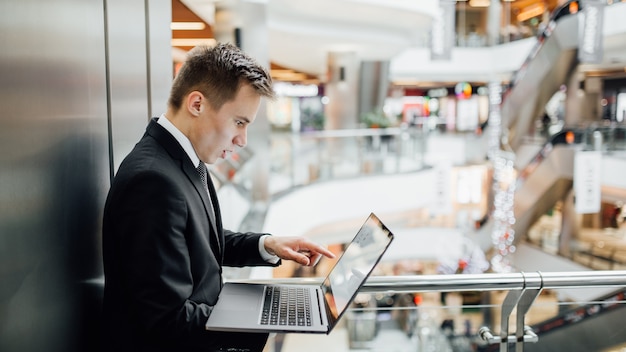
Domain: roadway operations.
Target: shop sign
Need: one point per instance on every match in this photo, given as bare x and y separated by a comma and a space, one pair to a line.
587, 181
442, 203
591, 36
442, 32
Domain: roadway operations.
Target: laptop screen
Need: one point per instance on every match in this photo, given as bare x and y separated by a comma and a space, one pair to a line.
355, 265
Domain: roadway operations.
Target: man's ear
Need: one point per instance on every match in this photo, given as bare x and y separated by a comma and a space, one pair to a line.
194, 103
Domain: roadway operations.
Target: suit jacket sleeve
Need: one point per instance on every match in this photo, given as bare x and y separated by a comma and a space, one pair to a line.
242, 249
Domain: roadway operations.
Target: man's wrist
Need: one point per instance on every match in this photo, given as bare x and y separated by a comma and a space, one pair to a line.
267, 255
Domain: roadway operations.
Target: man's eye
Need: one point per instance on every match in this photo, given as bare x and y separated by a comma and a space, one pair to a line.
239, 123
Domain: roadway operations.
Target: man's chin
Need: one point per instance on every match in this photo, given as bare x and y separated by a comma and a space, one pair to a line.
211, 161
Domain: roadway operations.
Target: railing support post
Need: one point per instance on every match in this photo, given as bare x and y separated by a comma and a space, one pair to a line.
521, 300
510, 302
533, 285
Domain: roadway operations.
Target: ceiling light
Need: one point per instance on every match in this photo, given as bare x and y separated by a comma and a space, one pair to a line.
187, 26
479, 3
288, 76
193, 41
296, 90
530, 12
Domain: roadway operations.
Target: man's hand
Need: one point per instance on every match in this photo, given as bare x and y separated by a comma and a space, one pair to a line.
298, 249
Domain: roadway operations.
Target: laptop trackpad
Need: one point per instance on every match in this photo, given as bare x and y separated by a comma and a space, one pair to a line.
243, 305
237, 297
238, 307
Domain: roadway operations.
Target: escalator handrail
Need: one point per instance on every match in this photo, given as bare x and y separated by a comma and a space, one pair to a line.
568, 136
575, 315
555, 16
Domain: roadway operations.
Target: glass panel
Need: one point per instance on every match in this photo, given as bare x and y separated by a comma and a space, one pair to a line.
432, 321
303, 158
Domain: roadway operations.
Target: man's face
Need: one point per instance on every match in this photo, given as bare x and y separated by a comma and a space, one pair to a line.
217, 133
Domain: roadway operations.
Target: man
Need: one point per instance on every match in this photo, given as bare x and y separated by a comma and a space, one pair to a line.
163, 242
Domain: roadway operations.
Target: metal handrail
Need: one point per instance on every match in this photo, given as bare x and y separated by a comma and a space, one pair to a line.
490, 282
476, 282
523, 289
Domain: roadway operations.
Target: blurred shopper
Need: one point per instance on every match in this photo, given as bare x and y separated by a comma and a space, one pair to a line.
163, 241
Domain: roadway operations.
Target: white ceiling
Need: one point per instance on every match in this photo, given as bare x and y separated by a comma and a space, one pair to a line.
303, 32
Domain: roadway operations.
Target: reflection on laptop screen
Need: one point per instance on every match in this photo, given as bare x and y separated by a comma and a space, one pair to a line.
357, 261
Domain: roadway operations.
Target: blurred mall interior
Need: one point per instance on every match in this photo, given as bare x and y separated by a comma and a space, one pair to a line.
488, 135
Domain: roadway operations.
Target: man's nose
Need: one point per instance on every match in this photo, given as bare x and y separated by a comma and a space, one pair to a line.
241, 139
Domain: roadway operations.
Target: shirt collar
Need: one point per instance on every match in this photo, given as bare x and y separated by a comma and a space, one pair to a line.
181, 138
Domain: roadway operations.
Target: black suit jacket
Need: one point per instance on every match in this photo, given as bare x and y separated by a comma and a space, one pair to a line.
162, 256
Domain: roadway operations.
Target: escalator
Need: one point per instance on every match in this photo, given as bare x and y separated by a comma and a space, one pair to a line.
546, 179
549, 65
595, 326
549, 177
553, 62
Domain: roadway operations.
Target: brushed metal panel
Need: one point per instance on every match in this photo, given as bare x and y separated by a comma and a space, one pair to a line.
160, 62
128, 74
53, 167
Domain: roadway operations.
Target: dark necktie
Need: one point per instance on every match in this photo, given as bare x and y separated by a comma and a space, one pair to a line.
204, 177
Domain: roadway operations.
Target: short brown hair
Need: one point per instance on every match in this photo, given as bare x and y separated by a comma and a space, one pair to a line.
217, 72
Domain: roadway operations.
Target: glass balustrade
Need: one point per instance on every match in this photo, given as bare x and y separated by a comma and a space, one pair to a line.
545, 311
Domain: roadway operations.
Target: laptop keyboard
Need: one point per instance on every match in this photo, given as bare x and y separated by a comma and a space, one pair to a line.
289, 306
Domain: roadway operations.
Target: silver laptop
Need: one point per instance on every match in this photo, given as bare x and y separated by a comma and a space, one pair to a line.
304, 308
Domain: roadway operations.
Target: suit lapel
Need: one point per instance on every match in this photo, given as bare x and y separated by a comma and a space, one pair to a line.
177, 152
